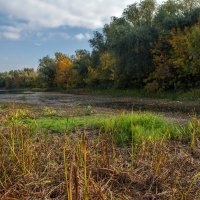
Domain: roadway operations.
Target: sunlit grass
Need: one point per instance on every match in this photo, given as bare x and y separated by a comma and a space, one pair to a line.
135, 127
62, 124
124, 128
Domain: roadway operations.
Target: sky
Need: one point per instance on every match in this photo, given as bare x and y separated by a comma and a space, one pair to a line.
32, 29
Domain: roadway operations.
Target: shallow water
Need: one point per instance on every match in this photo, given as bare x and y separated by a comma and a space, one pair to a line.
174, 110
50, 98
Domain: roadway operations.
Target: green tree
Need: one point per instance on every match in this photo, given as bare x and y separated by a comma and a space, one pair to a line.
102, 75
47, 71
140, 14
81, 63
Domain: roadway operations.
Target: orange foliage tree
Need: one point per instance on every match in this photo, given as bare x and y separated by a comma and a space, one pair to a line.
64, 72
177, 60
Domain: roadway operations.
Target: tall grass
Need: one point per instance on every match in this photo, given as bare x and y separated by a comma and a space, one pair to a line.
134, 127
63, 168
61, 124
129, 156
125, 129
194, 126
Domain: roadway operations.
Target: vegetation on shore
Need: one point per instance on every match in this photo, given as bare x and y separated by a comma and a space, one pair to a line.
151, 46
192, 95
45, 153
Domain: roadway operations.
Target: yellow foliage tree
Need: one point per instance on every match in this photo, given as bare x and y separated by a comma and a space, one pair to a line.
64, 72
177, 60
104, 73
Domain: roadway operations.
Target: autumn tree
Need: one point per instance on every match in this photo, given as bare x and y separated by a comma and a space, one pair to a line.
64, 73
185, 55
151, 45
164, 74
177, 60
102, 75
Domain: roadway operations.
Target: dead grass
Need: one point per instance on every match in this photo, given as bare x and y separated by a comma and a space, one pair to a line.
89, 165
58, 167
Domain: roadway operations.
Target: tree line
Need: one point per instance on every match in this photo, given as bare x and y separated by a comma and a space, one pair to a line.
151, 46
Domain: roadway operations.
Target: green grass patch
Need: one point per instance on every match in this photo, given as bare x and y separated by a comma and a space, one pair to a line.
124, 128
136, 127
62, 124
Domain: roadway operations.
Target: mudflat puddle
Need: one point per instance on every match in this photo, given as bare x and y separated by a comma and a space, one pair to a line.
64, 99
178, 111
40, 98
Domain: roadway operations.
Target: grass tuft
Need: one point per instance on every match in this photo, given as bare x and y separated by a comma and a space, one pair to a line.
135, 127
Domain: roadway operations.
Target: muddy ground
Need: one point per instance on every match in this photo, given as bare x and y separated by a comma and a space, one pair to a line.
175, 110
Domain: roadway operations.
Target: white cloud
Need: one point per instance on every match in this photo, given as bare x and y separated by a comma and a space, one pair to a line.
10, 35
49, 35
10, 32
82, 36
90, 14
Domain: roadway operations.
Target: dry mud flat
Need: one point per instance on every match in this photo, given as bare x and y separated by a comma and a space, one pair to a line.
177, 111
